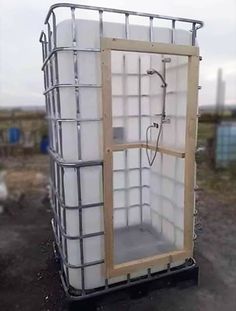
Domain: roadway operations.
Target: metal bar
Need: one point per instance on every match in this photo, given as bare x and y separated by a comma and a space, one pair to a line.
71, 85
57, 126
45, 69
43, 48
59, 120
64, 221
44, 84
54, 33
81, 244
56, 63
126, 25
49, 38
47, 78
76, 79
49, 48
66, 49
47, 104
140, 137
164, 88
50, 127
56, 132
42, 36
60, 138
101, 23
172, 32
151, 29
57, 186
75, 164
193, 33
95, 8
54, 201
54, 125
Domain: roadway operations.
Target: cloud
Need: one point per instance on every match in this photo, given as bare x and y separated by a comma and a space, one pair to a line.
21, 81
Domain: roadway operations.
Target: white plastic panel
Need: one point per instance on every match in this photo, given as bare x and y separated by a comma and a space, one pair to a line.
167, 191
73, 142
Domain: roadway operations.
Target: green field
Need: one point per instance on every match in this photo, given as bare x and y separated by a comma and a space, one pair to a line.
218, 182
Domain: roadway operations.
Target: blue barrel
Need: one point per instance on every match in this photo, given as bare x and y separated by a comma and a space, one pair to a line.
44, 145
13, 135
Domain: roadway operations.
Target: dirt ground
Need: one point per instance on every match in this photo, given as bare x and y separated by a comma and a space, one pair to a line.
28, 275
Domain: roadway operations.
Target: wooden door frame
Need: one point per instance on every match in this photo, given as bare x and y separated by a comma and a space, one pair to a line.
192, 52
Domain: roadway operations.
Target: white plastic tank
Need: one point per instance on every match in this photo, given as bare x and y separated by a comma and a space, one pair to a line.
77, 197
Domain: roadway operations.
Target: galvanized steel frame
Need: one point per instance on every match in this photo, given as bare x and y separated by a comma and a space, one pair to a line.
52, 86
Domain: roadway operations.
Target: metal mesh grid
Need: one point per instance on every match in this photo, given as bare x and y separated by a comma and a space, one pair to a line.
52, 87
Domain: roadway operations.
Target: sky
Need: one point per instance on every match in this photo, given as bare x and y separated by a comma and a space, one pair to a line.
21, 79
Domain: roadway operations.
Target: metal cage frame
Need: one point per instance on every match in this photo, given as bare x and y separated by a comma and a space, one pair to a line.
52, 86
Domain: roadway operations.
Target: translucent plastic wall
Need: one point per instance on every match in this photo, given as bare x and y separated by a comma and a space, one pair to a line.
149, 199
142, 194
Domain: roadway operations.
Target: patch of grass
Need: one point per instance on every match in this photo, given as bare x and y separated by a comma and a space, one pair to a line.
205, 132
221, 182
